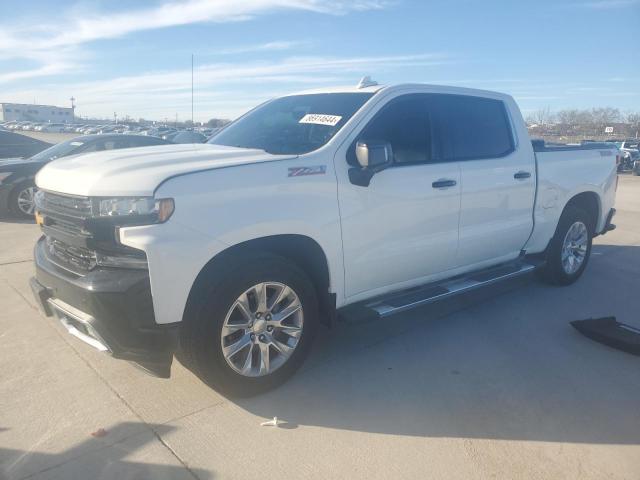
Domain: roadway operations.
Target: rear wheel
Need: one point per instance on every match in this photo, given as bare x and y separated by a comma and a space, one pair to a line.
570, 248
22, 200
252, 325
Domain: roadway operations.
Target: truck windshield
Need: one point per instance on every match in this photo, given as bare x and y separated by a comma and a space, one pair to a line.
292, 125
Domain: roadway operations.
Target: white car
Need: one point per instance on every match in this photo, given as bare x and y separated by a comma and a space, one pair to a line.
358, 201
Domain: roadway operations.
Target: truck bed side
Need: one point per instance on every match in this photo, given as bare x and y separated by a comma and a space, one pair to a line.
564, 172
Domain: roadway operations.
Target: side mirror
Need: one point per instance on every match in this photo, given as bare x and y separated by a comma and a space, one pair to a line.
373, 157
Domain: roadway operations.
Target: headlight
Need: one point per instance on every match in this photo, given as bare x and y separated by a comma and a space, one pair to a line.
4, 175
121, 261
157, 210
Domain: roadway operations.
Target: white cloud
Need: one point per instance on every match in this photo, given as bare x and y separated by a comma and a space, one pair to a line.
275, 46
44, 41
608, 4
80, 29
222, 89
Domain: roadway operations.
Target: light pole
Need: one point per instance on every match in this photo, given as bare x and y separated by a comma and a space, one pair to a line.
192, 89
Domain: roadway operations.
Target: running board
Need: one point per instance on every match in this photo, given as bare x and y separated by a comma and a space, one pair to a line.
416, 297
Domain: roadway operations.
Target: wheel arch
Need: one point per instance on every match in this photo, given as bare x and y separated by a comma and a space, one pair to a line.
590, 202
302, 250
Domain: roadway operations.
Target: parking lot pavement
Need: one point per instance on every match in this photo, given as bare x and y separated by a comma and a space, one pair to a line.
50, 137
494, 384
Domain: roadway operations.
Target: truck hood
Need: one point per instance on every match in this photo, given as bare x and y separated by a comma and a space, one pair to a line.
139, 171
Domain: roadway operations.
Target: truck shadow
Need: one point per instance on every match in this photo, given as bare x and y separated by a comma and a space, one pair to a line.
501, 363
100, 458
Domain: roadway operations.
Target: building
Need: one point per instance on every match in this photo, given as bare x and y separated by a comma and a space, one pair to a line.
25, 112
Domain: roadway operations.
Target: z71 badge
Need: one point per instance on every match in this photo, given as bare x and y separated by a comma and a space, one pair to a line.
302, 171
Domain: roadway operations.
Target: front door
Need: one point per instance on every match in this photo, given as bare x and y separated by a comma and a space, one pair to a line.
403, 227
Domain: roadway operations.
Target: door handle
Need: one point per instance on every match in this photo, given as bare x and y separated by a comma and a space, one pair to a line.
444, 183
521, 175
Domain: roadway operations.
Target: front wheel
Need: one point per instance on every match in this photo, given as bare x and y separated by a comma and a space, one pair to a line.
22, 200
251, 326
570, 248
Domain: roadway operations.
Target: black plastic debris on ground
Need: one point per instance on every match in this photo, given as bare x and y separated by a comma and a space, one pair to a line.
611, 333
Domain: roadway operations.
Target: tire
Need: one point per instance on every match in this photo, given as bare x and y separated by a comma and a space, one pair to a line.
19, 198
557, 272
214, 304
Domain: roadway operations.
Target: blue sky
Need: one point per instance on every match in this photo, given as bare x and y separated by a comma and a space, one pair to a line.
134, 57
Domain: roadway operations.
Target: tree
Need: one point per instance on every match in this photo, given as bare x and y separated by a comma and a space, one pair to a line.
543, 116
217, 122
603, 117
633, 119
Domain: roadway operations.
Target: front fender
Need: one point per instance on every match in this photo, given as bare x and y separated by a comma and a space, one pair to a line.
217, 209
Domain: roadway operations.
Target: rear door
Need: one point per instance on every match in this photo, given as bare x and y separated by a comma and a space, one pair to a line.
498, 178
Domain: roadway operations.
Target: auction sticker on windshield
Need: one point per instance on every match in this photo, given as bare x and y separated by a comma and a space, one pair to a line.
321, 119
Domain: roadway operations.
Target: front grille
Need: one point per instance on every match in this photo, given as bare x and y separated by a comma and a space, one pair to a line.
76, 239
64, 213
69, 206
76, 259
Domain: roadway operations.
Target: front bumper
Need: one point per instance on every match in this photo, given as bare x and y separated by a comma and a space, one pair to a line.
109, 308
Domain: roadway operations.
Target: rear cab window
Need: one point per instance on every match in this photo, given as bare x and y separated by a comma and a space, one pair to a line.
471, 128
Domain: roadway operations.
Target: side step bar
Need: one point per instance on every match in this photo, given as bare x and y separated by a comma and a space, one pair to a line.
405, 300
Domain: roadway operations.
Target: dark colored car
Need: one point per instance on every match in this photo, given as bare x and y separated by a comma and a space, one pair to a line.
635, 162
17, 186
15, 145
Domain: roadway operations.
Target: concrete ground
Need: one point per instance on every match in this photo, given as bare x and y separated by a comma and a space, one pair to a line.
494, 384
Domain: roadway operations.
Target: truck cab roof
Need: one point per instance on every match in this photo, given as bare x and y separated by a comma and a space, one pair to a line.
425, 87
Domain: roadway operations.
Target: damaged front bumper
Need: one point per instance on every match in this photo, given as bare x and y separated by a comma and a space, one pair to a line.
108, 308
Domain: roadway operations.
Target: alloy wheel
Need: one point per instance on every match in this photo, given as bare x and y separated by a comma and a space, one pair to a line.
574, 248
262, 329
26, 203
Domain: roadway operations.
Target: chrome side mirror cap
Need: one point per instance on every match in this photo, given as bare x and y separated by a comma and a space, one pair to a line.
373, 154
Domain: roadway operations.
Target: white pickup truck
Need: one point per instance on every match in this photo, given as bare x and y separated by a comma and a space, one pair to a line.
364, 200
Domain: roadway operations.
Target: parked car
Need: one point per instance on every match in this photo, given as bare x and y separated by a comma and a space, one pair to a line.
108, 129
635, 159
53, 127
17, 186
92, 130
16, 145
631, 144
366, 201
628, 148
186, 137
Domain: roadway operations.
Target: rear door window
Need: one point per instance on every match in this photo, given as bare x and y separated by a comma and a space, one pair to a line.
471, 128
